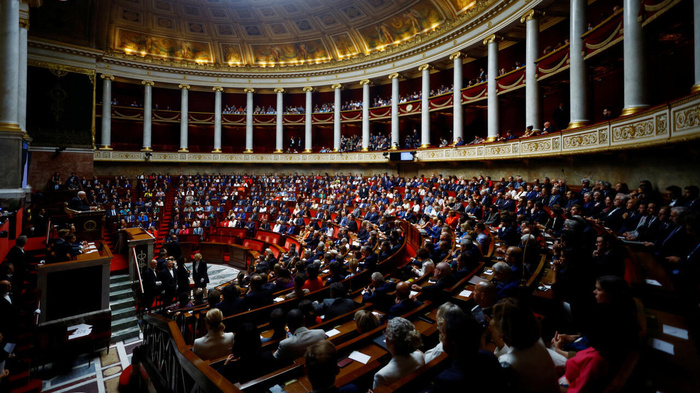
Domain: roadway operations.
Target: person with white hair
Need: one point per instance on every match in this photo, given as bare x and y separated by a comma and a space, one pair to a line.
402, 342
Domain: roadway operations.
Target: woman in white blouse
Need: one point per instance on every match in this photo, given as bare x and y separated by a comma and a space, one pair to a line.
402, 342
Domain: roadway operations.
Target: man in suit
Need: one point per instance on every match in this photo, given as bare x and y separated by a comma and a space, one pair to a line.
370, 259
169, 279
352, 224
232, 303
338, 304
79, 202
21, 261
378, 292
404, 303
295, 346
152, 286
258, 295
435, 292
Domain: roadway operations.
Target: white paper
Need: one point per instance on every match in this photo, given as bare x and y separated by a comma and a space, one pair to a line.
278, 299
662, 346
332, 332
9, 347
360, 357
413, 293
488, 271
82, 332
465, 293
82, 326
653, 282
377, 314
675, 332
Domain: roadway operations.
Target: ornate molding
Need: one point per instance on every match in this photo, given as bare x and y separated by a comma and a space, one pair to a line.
366, 82
183, 86
148, 83
218, 89
279, 90
531, 14
492, 38
424, 67
61, 68
311, 88
249, 90
457, 55
105, 76
394, 75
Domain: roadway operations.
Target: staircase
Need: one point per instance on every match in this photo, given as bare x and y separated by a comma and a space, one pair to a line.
121, 301
164, 221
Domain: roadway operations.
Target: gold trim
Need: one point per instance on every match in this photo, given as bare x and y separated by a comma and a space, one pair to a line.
393, 148
606, 41
365, 82
146, 148
216, 151
278, 151
425, 67
601, 24
60, 67
105, 147
107, 76
394, 75
492, 38
218, 88
633, 109
456, 55
147, 83
365, 149
248, 151
186, 87
10, 127
249, 90
491, 139
183, 150
308, 151
695, 88
425, 146
279, 90
577, 124
311, 89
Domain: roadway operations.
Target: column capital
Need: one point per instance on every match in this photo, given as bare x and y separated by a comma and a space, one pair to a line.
218, 88
279, 90
532, 14
338, 86
309, 88
394, 75
366, 82
492, 38
184, 87
105, 76
457, 55
249, 90
424, 67
147, 83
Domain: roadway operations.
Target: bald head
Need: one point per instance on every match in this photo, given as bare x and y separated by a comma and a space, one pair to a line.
442, 270
485, 294
403, 290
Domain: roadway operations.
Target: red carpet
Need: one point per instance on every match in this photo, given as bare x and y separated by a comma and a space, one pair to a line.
119, 262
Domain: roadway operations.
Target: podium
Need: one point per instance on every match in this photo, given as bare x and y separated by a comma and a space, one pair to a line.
88, 224
140, 253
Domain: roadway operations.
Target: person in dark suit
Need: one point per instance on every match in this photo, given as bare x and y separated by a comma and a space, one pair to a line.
257, 296
435, 292
404, 303
169, 279
199, 271
370, 259
378, 293
79, 202
21, 261
460, 335
352, 224
173, 247
232, 303
183, 277
322, 368
247, 360
338, 304
152, 286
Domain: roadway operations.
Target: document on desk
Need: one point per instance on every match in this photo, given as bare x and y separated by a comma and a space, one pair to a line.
332, 332
675, 332
413, 293
653, 282
81, 330
465, 293
662, 346
360, 357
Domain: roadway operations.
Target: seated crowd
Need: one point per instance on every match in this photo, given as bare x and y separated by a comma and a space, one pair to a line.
349, 226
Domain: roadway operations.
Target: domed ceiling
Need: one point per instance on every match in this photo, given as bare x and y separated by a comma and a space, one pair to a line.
250, 33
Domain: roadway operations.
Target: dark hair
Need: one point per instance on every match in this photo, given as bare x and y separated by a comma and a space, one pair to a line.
462, 333
338, 290
516, 323
247, 343
295, 319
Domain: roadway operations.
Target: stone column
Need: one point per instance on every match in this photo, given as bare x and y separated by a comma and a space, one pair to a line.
9, 66
532, 50
425, 105
249, 120
308, 125
492, 93
636, 98
184, 117
279, 126
578, 89
696, 44
147, 114
106, 112
22, 70
457, 110
365, 113
394, 111
217, 118
11, 134
336, 115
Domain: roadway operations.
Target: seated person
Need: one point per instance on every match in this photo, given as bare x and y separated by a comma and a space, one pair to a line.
377, 292
258, 295
402, 342
404, 303
366, 320
313, 281
337, 305
295, 346
247, 360
506, 284
321, 360
277, 325
216, 343
435, 292
232, 303
440, 319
